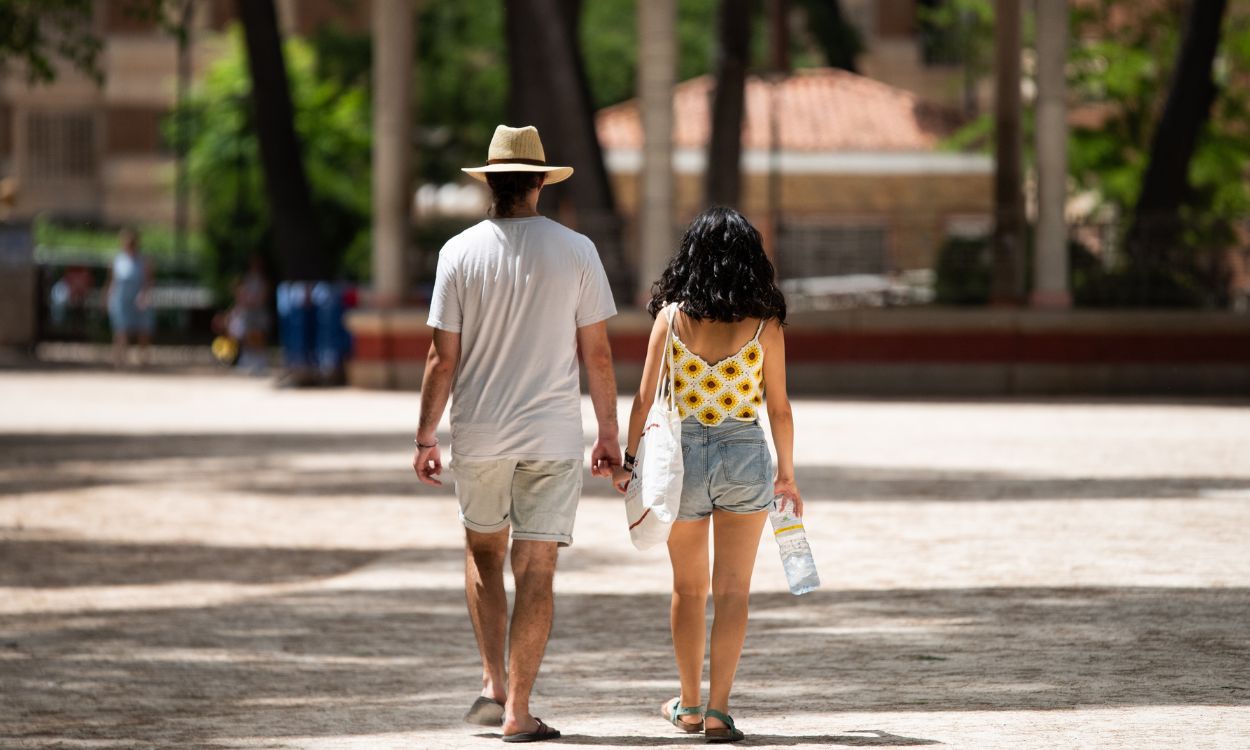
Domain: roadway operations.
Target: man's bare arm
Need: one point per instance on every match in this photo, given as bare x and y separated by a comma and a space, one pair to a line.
592, 340
440, 371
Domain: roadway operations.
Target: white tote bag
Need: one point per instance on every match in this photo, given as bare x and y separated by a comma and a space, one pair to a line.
654, 494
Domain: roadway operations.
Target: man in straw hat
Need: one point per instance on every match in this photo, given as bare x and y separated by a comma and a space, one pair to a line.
515, 298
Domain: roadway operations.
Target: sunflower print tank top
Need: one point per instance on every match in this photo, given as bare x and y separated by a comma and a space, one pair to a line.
732, 388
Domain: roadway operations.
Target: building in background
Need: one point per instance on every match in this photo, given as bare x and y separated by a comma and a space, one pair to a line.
79, 150
842, 173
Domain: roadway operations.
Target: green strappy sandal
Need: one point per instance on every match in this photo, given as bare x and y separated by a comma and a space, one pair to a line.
727, 733
673, 712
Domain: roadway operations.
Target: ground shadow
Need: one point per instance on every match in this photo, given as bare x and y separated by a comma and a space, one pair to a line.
254, 463
339, 662
55, 563
868, 738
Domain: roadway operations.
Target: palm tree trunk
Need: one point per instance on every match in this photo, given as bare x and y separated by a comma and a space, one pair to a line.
724, 155
1009, 223
550, 90
1165, 186
657, 72
296, 240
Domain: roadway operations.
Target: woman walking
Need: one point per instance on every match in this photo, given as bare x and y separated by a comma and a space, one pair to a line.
720, 297
127, 295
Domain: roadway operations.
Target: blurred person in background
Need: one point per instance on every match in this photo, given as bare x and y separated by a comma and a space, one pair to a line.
249, 319
719, 294
128, 296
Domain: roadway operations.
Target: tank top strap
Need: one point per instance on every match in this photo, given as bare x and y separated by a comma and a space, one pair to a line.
759, 329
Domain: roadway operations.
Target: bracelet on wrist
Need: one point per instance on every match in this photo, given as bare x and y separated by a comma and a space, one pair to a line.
419, 444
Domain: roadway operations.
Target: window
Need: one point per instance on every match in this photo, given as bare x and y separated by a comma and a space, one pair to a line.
135, 130
813, 249
60, 146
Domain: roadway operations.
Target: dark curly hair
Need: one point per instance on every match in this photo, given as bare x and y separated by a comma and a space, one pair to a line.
720, 272
508, 190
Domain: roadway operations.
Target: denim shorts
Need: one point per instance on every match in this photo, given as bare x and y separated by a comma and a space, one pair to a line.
727, 467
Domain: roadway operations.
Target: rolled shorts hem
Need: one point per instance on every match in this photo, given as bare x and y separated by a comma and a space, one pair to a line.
563, 540
484, 528
735, 511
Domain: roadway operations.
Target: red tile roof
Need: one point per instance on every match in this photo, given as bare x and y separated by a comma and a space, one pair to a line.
819, 109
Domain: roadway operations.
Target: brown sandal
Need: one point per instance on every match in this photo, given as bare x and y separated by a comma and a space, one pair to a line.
727, 733
673, 711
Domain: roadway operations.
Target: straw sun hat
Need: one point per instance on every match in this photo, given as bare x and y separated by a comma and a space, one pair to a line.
518, 150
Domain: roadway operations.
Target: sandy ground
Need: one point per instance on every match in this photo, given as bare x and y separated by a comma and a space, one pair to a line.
191, 561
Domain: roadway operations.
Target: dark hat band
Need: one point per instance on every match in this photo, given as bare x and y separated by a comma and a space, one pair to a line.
531, 162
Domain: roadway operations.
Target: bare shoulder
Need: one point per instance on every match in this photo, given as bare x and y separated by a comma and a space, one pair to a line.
771, 332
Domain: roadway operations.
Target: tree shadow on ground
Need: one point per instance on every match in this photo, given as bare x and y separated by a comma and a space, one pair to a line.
346, 661
255, 463
867, 738
56, 563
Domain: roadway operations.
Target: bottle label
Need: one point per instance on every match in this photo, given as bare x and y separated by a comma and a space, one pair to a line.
784, 529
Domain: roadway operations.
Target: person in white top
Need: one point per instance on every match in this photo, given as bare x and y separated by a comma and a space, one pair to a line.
515, 298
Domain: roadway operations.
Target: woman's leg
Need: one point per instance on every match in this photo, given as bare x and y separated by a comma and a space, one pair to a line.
737, 540
687, 549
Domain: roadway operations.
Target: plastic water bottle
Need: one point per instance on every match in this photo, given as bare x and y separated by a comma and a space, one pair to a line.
796, 555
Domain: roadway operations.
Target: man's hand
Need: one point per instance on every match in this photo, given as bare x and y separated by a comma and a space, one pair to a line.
605, 456
428, 463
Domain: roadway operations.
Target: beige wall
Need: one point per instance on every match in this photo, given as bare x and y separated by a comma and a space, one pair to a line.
915, 208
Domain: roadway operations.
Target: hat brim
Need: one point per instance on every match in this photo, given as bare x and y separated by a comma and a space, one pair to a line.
554, 174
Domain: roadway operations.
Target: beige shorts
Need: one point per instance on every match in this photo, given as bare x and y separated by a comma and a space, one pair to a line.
537, 498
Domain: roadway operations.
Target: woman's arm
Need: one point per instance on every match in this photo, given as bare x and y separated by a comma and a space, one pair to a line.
645, 395
780, 417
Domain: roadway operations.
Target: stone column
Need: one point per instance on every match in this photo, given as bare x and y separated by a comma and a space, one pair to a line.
393, 26
1050, 253
657, 72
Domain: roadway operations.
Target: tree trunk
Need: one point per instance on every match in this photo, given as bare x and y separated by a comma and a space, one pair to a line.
1009, 224
724, 154
297, 245
1165, 185
657, 73
836, 36
550, 90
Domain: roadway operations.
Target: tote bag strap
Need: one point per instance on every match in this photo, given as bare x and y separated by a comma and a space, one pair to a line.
666, 375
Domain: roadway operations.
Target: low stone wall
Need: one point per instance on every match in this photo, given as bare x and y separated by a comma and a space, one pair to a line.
922, 351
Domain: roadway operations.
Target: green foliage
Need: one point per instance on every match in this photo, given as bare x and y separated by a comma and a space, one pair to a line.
960, 30
962, 276
36, 33
1118, 79
609, 36
332, 119
462, 81
964, 273
60, 242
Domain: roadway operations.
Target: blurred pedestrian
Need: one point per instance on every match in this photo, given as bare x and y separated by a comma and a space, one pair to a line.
129, 298
249, 318
515, 298
720, 296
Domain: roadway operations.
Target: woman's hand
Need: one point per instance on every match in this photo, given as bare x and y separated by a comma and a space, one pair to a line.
621, 478
786, 489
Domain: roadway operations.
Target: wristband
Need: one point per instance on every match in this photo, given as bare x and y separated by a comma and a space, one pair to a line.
420, 444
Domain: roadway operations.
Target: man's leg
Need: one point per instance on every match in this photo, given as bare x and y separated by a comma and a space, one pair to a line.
488, 605
533, 566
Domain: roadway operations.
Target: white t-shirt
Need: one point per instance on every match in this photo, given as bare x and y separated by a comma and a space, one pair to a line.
517, 290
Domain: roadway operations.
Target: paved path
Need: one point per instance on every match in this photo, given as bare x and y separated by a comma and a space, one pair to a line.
207, 562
